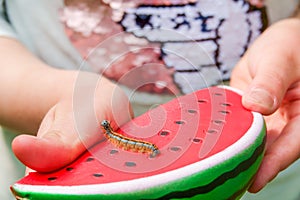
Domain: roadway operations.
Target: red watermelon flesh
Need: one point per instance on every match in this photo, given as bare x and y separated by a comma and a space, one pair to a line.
190, 129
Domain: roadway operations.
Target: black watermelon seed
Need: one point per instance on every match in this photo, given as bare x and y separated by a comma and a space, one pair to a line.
113, 151
52, 178
202, 101
197, 140
225, 112
164, 133
192, 111
226, 104
130, 164
175, 148
90, 159
69, 169
98, 175
218, 121
212, 131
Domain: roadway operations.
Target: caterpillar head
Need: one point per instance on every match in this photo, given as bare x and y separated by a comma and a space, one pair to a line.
105, 124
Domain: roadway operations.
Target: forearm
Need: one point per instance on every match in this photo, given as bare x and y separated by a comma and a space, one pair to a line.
28, 87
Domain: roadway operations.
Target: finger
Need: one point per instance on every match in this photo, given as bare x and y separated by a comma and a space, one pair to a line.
272, 65
53, 148
283, 152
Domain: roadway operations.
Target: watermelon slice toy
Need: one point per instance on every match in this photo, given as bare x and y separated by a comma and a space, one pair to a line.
210, 147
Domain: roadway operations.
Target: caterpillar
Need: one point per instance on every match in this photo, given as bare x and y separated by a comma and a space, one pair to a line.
127, 143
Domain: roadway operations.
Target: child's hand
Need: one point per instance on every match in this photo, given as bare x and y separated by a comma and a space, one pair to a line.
73, 123
63, 108
269, 73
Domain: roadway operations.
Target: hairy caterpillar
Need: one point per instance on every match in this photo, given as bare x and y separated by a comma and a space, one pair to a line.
128, 143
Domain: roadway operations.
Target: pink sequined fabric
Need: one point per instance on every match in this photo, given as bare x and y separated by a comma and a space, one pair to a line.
92, 28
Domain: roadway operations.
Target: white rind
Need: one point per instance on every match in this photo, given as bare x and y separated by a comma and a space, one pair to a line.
160, 179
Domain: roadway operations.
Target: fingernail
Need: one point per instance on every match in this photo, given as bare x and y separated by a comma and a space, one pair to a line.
260, 97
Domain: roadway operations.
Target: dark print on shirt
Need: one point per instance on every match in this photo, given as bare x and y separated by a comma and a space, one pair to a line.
186, 45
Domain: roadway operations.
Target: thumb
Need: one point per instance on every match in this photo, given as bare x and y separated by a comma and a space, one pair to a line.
72, 125
56, 144
272, 65
265, 92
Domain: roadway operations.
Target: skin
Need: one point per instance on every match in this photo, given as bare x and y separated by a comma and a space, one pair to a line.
269, 75
56, 108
